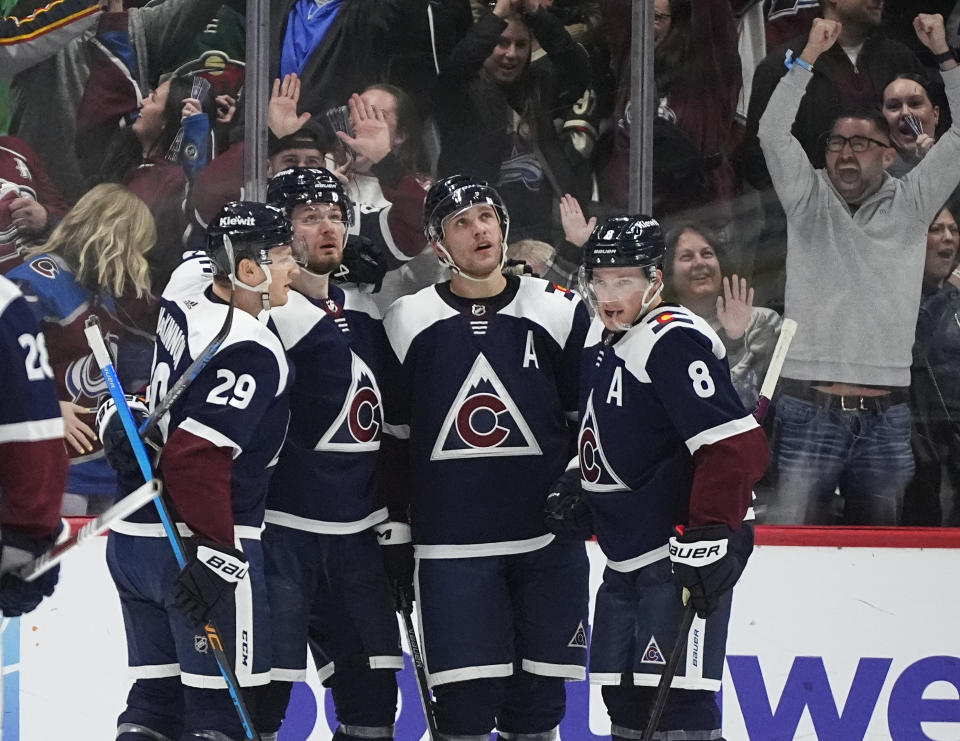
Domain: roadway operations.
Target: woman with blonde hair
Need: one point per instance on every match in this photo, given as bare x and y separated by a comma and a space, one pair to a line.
92, 268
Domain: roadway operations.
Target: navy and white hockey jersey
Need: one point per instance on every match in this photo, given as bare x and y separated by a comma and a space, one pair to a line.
664, 439
224, 433
33, 459
484, 392
325, 480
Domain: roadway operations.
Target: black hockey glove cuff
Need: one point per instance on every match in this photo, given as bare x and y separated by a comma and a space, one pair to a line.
211, 574
364, 264
708, 561
397, 548
18, 596
116, 445
566, 512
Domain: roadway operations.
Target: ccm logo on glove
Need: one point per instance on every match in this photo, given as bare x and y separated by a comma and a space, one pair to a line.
227, 567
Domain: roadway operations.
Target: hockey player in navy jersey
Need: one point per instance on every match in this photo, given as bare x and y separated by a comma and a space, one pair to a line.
325, 571
222, 437
478, 426
668, 458
33, 459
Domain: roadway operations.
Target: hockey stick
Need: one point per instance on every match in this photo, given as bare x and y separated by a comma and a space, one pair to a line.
787, 330
162, 406
102, 356
126, 506
406, 611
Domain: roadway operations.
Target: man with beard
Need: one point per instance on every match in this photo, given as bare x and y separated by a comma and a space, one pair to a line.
854, 70
856, 242
325, 572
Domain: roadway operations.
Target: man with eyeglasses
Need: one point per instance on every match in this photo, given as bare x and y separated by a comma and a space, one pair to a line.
326, 579
855, 252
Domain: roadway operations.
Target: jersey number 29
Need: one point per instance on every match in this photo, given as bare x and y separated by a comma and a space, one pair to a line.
237, 391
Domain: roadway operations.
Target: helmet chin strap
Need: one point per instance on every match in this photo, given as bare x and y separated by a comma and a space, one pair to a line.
263, 288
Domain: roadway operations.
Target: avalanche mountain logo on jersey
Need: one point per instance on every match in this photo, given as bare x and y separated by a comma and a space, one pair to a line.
483, 420
579, 639
594, 469
82, 377
652, 654
357, 427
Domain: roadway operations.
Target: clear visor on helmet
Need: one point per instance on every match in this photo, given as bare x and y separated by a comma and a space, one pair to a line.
611, 285
283, 256
619, 295
452, 217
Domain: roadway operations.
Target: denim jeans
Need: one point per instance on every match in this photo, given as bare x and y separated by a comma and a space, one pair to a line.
816, 450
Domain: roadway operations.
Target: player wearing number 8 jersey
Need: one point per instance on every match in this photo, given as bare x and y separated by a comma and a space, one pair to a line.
665, 448
222, 437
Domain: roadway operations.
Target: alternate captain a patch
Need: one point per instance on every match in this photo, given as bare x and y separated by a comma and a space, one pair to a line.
484, 420
664, 318
557, 288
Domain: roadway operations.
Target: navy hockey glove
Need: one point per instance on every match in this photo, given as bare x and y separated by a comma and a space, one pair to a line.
116, 445
566, 512
210, 575
363, 264
708, 561
397, 548
16, 549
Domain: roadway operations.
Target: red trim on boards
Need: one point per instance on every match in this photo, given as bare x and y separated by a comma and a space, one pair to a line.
859, 537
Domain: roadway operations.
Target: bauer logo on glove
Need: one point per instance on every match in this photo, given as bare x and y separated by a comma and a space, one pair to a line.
697, 554
705, 563
227, 567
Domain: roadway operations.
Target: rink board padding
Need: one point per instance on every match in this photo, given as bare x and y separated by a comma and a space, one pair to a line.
845, 633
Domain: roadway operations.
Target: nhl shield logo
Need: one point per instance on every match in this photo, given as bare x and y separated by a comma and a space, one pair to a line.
200, 644
478, 309
332, 307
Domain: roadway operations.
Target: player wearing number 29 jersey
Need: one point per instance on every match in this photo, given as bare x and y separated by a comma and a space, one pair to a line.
237, 404
221, 439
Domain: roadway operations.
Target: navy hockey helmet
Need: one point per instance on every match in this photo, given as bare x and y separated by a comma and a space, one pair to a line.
291, 187
246, 229
457, 193
623, 242
626, 241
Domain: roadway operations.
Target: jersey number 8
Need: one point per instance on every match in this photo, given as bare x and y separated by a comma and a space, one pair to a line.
702, 382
